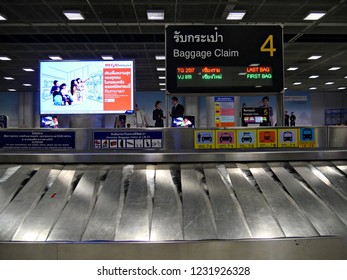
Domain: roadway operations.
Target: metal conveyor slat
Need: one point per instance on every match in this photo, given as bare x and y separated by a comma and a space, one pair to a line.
230, 221
291, 219
22, 204
134, 222
257, 212
103, 221
333, 199
167, 207
74, 218
40, 221
197, 212
322, 218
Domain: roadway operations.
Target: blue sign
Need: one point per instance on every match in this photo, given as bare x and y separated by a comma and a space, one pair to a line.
37, 140
224, 99
128, 139
307, 134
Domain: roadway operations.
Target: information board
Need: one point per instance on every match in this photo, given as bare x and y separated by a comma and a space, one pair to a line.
204, 139
307, 138
225, 139
128, 140
222, 58
267, 138
288, 138
252, 115
224, 111
37, 140
246, 139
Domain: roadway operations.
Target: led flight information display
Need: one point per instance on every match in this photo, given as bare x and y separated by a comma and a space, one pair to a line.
226, 59
227, 76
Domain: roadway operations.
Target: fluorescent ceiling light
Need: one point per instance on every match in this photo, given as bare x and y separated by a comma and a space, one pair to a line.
8, 78
313, 77
160, 68
3, 17
313, 57
297, 83
292, 68
334, 68
162, 84
12, 89
162, 89
162, 77
155, 14
241, 73
254, 64
341, 88
312, 88
329, 83
107, 57
74, 15
28, 69
314, 15
55, 57
4, 58
27, 85
160, 57
236, 15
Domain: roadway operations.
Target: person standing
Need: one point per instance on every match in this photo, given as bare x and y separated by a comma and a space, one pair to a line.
286, 118
81, 89
292, 119
140, 118
177, 109
265, 103
158, 115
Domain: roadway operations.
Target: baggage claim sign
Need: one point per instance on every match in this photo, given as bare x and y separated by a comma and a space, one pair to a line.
224, 59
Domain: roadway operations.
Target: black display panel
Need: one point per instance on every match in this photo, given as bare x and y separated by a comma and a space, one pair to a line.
3, 121
186, 121
250, 115
49, 122
211, 77
224, 59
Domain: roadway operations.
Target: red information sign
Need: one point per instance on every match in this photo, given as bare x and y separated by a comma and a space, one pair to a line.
117, 88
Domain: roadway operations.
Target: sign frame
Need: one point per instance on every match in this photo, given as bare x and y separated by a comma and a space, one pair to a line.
219, 46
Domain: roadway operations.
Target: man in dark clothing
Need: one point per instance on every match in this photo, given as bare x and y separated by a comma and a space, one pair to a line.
292, 119
177, 109
286, 118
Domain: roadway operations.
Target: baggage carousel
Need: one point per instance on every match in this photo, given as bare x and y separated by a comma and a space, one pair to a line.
176, 202
173, 204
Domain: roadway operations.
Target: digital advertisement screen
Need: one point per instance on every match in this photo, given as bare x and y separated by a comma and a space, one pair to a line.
186, 121
49, 122
86, 87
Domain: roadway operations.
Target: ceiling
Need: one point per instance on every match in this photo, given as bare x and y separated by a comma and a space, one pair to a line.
37, 29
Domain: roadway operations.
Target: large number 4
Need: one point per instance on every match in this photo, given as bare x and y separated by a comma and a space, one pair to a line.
268, 45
